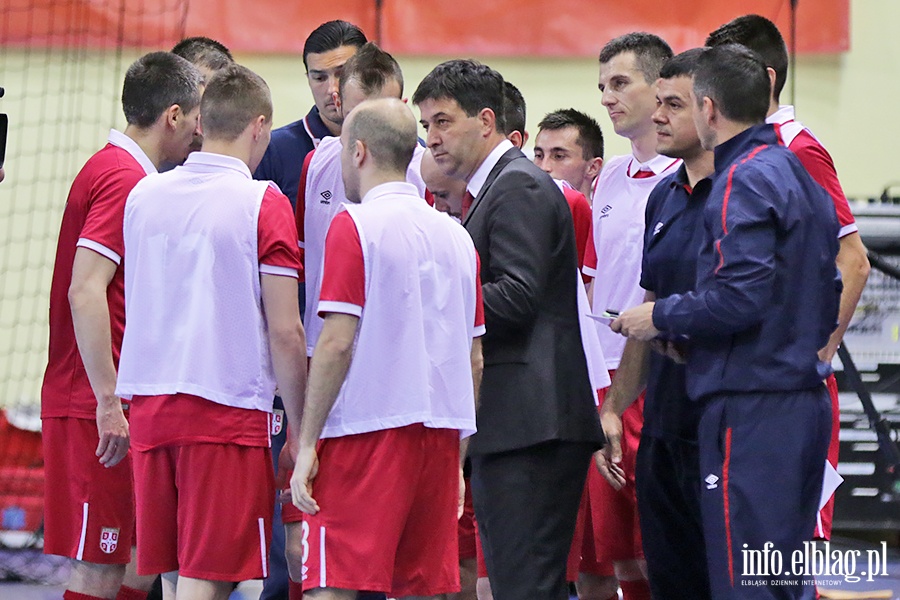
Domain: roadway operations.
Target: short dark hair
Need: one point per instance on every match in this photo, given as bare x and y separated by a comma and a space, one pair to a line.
234, 98
371, 67
474, 86
650, 52
590, 136
332, 35
681, 65
156, 81
390, 138
735, 78
760, 35
513, 109
205, 52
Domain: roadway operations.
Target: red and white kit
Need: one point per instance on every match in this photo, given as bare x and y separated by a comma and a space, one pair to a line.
613, 258
196, 360
88, 508
390, 446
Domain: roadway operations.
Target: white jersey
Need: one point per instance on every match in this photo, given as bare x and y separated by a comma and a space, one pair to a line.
324, 198
411, 361
192, 286
619, 203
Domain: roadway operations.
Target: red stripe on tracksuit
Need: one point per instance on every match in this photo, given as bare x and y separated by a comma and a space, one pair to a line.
753, 153
725, 467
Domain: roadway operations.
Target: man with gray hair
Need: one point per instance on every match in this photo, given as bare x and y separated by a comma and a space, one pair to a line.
388, 393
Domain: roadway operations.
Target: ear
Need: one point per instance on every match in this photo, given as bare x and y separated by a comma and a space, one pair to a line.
771, 73
360, 153
200, 124
258, 125
516, 138
709, 110
525, 138
488, 121
173, 115
594, 166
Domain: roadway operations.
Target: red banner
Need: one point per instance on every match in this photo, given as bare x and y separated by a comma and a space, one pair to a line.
565, 28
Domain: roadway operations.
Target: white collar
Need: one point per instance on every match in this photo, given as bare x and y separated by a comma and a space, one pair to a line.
781, 116
218, 162
119, 139
391, 188
487, 165
657, 164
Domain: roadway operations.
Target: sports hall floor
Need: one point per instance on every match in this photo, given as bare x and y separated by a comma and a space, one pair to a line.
34, 565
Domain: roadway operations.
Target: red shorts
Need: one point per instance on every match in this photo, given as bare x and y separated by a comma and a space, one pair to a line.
387, 520
826, 515
88, 508
573, 562
612, 530
205, 510
466, 528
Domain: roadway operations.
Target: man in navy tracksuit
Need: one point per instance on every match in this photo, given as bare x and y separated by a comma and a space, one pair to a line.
766, 300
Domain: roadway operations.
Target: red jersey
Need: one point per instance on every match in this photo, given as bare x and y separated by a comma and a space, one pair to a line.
92, 219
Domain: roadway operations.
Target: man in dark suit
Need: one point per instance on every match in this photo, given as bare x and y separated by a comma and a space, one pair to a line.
537, 423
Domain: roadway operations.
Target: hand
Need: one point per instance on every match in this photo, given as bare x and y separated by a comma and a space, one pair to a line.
670, 350
462, 495
609, 459
637, 323
305, 471
112, 428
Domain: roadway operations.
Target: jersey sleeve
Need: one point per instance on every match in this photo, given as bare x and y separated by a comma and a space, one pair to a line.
479, 303
277, 235
581, 218
103, 231
815, 158
589, 264
344, 272
300, 211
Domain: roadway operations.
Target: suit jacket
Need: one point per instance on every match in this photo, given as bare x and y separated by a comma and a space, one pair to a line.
535, 386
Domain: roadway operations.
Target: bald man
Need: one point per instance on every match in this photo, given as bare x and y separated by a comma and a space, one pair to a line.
388, 402
447, 192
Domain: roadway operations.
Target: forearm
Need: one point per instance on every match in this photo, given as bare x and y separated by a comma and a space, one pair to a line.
90, 317
631, 377
330, 363
289, 363
477, 360
853, 264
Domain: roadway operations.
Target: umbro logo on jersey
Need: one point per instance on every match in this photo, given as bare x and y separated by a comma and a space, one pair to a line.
712, 482
658, 227
604, 212
326, 197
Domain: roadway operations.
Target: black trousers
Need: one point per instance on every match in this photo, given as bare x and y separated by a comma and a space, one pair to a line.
667, 481
526, 503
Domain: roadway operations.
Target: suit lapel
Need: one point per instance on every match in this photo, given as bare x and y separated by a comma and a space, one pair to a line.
507, 157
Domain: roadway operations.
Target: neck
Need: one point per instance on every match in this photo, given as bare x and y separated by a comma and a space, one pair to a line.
331, 126
484, 150
773, 107
236, 149
643, 147
370, 180
586, 188
699, 166
149, 141
729, 129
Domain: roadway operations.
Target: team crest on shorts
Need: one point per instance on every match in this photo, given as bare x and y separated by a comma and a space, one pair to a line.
277, 421
109, 540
